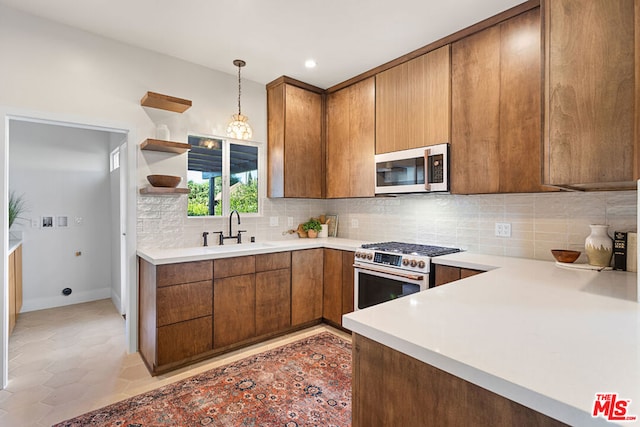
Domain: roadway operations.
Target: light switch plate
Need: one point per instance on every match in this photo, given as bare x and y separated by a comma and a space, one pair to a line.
273, 221
289, 221
354, 223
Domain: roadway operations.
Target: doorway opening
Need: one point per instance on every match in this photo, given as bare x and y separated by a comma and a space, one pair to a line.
74, 228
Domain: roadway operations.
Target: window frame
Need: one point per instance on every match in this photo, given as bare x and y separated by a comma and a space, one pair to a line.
226, 174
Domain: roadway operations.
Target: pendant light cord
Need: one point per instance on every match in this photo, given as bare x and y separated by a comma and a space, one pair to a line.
239, 90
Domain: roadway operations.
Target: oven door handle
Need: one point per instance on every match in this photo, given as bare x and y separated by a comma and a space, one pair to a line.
406, 276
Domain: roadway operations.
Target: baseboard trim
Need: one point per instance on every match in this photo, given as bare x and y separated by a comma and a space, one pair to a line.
61, 300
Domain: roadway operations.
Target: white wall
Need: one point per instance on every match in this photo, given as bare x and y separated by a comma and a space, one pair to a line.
62, 171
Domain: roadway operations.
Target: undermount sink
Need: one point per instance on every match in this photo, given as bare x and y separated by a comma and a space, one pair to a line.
239, 247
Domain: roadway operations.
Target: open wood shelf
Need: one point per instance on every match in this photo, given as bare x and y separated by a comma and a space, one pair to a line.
165, 102
165, 146
163, 190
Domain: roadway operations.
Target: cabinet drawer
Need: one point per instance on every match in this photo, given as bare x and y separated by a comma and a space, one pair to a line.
277, 261
228, 267
184, 302
184, 272
183, 340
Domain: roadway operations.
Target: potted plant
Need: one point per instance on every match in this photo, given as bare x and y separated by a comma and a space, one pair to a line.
312, 227
16, 207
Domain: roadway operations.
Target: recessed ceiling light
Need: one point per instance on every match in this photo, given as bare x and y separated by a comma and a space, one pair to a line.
310, 63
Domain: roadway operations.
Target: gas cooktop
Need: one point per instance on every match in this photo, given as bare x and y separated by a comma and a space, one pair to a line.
410, 249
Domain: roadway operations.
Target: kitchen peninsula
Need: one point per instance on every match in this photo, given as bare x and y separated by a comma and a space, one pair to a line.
530, 332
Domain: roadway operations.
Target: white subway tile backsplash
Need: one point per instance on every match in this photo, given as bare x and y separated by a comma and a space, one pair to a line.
539, 222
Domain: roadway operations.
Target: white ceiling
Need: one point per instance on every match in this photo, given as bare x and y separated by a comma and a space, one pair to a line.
275, 37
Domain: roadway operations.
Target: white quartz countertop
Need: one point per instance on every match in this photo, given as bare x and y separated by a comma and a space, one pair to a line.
169, 256
547, 337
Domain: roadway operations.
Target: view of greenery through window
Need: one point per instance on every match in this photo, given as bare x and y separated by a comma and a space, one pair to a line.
205, 177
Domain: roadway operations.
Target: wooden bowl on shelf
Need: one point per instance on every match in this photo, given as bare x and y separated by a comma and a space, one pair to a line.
565, 255
164, 180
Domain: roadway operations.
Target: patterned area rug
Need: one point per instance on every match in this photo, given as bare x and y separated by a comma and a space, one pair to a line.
305, 383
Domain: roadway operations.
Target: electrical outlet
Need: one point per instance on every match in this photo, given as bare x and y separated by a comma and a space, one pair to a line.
273, 221
289, 221
503, 229
354, 223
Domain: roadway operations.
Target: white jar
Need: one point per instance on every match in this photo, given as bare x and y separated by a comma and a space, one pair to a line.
325, 231
599, 246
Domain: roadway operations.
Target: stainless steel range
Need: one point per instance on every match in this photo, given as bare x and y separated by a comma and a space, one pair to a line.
390, 270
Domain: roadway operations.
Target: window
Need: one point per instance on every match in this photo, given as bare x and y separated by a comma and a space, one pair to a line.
114, 162
223, 175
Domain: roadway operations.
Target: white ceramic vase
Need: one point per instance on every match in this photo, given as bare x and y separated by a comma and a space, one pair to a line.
599, 246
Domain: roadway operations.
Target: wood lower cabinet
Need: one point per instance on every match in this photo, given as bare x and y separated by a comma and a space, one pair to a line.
338, 285
447, 274
234, 309
351, 141
592, 99
393, 389
413, 102
15, 286
496, 108
175, 313
306, 286
295, 142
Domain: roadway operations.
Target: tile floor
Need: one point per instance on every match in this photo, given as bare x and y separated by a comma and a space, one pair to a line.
66, 361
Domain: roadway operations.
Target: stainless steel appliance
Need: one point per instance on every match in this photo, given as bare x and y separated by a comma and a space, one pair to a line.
417, 170
389, 270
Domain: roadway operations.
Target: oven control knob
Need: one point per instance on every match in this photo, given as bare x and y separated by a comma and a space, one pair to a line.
421, 264
358, 254
405, 262
414, 263
369, 256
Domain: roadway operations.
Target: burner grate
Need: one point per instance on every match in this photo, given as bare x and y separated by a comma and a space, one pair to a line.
410, 248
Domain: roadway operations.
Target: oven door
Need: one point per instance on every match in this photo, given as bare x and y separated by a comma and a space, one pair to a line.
374, 285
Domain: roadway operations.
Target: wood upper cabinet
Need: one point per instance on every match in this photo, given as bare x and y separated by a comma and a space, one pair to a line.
351, 141
338, 285
591, 93
413, 103
306, 286
295, 144
496, 108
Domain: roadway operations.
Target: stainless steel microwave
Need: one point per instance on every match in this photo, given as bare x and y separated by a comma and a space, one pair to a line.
417, 170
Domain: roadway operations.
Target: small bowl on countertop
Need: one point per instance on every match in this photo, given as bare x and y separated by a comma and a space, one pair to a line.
565, 255
164, 180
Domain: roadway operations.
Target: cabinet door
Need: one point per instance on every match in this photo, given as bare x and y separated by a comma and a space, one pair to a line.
332, 293
188, 301
392, 109
446, 274
590, 97
237, 266
306, 286
184, 272
347, 282
273, 301
496, 113
295, 147
429, 98
234, 309
413, 102
351, 141
475, 113
183, 340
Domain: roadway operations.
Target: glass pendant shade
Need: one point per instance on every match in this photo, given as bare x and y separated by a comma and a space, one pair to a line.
239, 127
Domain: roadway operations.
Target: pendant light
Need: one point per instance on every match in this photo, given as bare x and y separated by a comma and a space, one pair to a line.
239, 127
